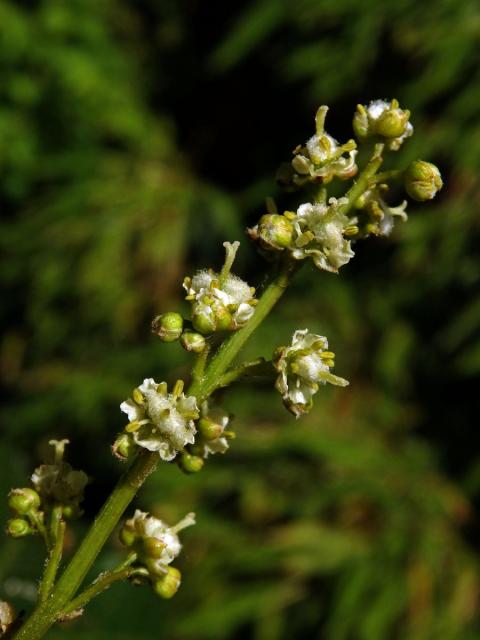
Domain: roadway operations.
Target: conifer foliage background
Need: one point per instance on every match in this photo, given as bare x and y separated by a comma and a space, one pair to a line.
134, 138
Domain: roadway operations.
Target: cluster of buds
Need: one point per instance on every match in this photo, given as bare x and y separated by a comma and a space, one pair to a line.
383, 121
159, 421
220, 301
155, 545
212, 437
55, 485
171, 326
321, 159
302, 367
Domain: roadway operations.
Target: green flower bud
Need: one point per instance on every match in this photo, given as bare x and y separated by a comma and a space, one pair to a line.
193, 341
189, 463
168, 326
392, 123
23, 500
153, 547
209, 429
124, 446
224, 319
202, 321
71, 511
168, 585
127, 536
273, 231
18, 528
422, 180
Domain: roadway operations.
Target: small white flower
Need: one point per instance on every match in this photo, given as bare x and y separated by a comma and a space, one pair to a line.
322, 157
161, 421
319, 233
220, 301
145, 526
302, 367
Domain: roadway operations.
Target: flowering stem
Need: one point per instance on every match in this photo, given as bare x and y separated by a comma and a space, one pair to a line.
58, 527
256, 367
49, 611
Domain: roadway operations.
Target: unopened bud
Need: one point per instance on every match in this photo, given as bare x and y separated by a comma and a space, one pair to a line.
193, 341
168, 585
392, 123
189, 463
168, 326
127, 536
23, 500
18, 528
153, 547
209, 429
422, 180
274, 231
123, 446
223, 318
203, 321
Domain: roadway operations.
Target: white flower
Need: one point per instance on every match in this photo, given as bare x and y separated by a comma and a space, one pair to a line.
145, 527
302, 367
59, 482
318, 232
161, 421
323, 157
220, 301
381, 215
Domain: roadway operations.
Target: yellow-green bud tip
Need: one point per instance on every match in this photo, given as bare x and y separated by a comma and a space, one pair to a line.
168, 326
189, 463
193, 341
168, 585
422, 180
18, 528
22, 501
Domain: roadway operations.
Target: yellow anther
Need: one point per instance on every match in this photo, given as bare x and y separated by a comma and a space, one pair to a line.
138, 396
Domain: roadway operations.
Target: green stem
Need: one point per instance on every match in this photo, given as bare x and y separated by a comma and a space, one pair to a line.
49, 611
364, 180
57, 534
389, 175
256, 367
103, 581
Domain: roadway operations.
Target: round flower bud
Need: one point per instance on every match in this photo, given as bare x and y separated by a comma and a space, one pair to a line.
193, 341
422, 180
153, 547
23, 500
18, 528
127, 536
168, 326
123, 446
209, 429
392, 123
189, 463
275, 231
168, 585
203, 321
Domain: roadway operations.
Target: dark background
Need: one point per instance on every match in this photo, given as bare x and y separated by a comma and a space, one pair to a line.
135, 137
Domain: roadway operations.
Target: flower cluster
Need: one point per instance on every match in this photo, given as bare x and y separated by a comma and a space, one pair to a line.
155, 545
159, 421
383, 120
301, 367
321, 159
55, 485
220, 301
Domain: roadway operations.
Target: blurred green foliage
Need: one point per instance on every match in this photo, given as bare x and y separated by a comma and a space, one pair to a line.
134, 138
